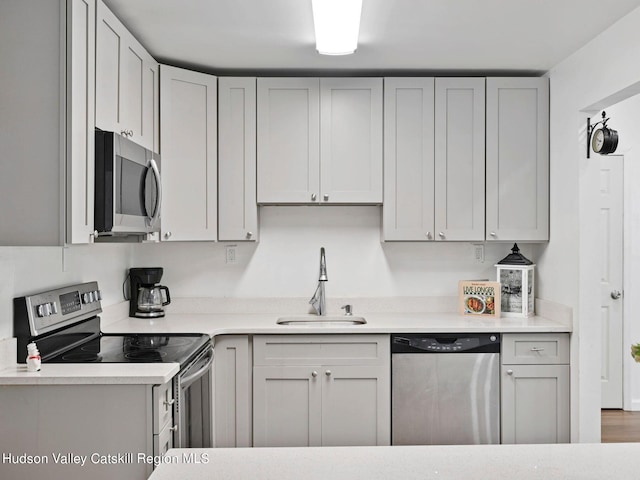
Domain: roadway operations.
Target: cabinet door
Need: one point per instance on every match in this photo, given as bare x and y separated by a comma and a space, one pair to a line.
237, 209
356, 407
518, 159
110, 41
189, 154
286, 406
232, 373
81, 42
408, 209
351, 140
288, 132
459, 159
126, 82
535, 404
139, 91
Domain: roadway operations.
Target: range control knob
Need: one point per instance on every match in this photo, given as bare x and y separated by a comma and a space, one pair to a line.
87, 297
97, 295
54, 308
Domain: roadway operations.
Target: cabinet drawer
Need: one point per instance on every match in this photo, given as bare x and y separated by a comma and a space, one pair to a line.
321, 350
162, 406
535, 348
163, 441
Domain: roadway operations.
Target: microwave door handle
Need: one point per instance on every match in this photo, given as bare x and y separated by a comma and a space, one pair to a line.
156, 173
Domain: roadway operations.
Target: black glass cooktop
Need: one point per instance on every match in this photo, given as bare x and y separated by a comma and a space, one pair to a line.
135, 348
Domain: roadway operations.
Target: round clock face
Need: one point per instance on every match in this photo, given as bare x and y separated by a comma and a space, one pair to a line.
597, 142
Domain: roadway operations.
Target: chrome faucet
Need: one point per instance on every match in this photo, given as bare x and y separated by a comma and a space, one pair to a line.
318, 299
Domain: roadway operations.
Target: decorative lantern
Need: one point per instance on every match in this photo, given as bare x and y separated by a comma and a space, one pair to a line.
517, 292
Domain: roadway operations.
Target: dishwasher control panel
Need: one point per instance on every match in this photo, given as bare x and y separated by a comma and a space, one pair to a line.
445, 343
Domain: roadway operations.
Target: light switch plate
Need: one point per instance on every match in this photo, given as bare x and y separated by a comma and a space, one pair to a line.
231, 254
478, 253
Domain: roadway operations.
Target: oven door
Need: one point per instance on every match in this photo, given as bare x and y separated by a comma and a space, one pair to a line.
193, 407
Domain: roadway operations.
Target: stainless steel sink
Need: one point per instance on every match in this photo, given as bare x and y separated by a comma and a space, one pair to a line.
324, 320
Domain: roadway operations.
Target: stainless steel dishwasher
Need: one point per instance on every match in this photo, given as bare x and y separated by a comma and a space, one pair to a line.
445, 389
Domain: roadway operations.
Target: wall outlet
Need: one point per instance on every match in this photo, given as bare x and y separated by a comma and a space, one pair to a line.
231, 251
478, 253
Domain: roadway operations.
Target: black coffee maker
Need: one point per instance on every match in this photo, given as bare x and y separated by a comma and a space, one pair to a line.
145, 295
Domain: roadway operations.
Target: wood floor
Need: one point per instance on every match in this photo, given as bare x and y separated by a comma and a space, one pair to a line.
620, 426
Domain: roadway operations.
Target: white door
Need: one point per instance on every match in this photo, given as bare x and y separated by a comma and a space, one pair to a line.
611, 257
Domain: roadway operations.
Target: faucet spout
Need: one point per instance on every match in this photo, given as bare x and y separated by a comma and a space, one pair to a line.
323, 267
318, 299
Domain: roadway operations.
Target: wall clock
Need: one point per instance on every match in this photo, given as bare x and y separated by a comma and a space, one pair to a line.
604, 140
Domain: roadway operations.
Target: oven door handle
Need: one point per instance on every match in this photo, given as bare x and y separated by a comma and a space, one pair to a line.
185, 382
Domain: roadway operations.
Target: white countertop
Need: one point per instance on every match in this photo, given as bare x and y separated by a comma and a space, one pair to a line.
90, 374
265, 323
259, 316
460, 462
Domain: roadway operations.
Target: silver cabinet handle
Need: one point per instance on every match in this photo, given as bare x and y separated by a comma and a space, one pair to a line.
509, 372
314, 374
429, 236
493, 234
441, 234
249, 234
616, 294
313, 197
326, 197
537, 349
174, 428
167, 235
328, 373
170, 402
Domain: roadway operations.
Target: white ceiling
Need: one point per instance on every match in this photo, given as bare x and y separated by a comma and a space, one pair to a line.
411, 35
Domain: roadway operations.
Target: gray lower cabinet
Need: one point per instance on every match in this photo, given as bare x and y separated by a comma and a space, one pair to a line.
320, 390
535, 388
232, 392
99, 422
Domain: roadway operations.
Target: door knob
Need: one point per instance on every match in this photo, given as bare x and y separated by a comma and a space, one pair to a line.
616, 294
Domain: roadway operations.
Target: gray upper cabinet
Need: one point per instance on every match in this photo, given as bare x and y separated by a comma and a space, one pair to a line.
126, 82
288, 132
460, 159
46, 126
189, 155
237, 208
319, 140
351, 140
517, 159
408, 210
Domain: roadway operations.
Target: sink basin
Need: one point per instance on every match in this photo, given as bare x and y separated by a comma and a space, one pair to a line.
324, 320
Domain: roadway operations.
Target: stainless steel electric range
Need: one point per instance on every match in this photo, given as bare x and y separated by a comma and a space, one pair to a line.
65, 325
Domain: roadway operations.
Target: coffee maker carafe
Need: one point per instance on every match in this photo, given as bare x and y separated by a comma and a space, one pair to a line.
146, 299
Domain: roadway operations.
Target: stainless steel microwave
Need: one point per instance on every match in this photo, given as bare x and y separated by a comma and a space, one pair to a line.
128, 191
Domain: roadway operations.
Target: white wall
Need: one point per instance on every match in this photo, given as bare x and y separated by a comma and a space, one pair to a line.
26, 270
625, 118
603, 72
286, 260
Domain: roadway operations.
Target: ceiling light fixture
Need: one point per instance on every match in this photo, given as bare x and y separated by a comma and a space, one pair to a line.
337, 23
